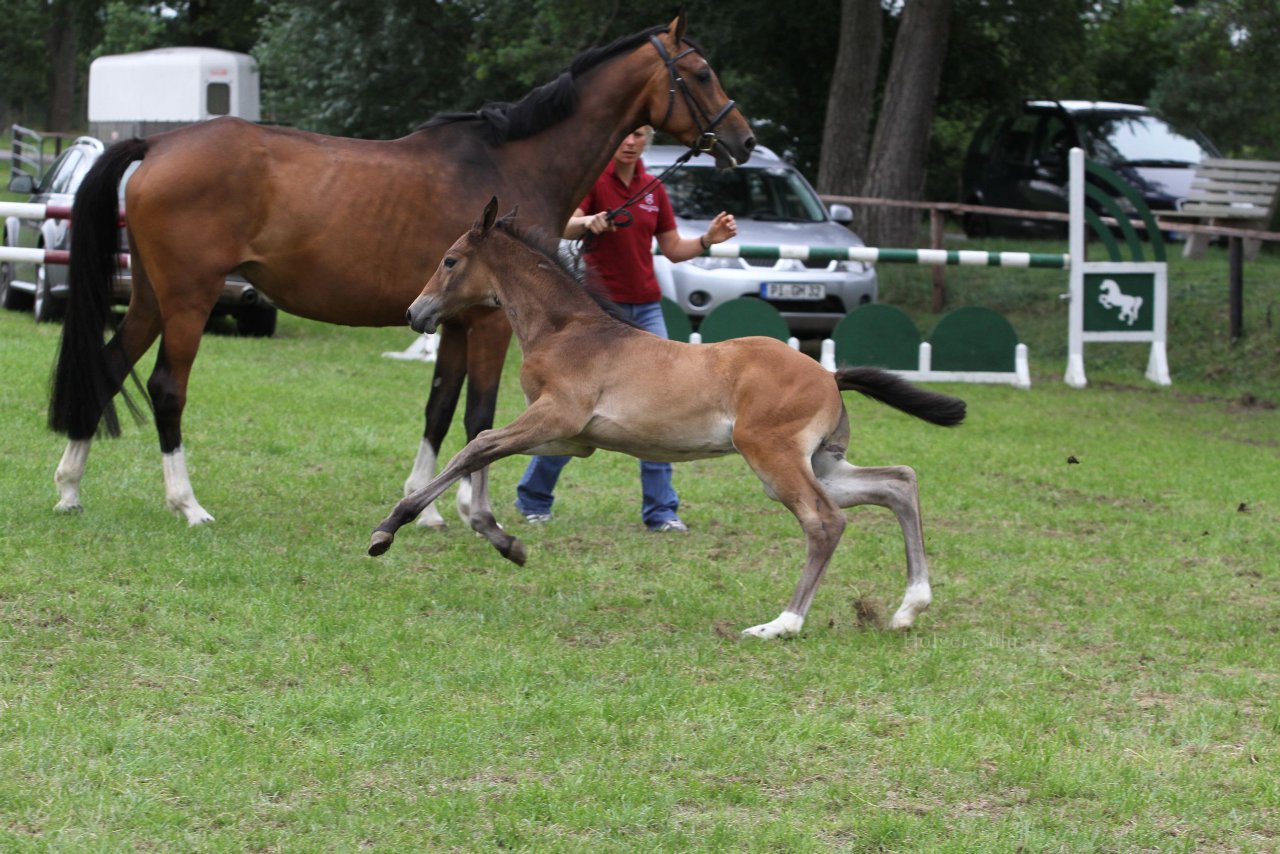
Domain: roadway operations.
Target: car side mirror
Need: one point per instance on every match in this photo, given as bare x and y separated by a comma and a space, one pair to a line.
22, 184
842, 214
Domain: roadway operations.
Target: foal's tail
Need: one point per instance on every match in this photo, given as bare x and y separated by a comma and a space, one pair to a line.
85, 378
886, 387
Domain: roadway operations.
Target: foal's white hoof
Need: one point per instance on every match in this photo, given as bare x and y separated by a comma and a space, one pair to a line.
786, 625
66, 506
913, 604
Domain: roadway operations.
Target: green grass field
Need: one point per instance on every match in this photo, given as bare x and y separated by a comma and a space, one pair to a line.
1098, 672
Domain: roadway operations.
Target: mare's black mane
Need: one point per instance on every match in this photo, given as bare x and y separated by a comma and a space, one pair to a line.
547, 105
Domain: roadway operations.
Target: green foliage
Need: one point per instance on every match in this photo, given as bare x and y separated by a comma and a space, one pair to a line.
133, 25
226, 24
778, 67
1122, 33
23, 69
128, 27
19, 75
1223, 78
370, 70
517, 46
1002, 51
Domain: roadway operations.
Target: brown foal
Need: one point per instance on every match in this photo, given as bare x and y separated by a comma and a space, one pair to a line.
756, 397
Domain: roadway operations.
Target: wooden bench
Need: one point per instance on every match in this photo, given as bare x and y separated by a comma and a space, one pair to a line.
1233, 194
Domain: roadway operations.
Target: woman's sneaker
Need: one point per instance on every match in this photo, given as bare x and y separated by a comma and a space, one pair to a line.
537, 518
671, 526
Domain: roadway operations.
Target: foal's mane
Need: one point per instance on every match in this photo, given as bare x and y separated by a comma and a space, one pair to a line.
548, 248
548, 104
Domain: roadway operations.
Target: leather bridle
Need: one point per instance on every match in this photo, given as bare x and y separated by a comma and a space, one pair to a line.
706, 124
704, 121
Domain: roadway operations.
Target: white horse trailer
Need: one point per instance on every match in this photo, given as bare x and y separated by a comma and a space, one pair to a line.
139, 94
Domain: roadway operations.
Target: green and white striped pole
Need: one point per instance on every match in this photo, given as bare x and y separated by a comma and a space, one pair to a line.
873, 255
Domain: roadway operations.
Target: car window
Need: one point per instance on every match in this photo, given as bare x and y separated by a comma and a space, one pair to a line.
776, 194
1053, 139
1016, 139
61, 174
985, 137
1136, 138
78, 172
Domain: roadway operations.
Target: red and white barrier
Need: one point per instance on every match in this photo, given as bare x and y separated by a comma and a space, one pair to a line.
27, 255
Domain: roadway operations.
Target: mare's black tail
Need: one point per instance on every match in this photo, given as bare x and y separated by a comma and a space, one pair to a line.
87, 375
888, 388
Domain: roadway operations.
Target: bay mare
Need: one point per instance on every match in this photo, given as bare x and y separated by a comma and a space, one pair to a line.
757, 397
345, 231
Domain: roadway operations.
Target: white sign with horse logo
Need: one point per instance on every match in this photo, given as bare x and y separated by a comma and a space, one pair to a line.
1112, 300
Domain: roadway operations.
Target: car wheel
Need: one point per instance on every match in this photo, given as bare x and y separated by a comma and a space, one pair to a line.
976, 225
10, 297
47, 307
257, 321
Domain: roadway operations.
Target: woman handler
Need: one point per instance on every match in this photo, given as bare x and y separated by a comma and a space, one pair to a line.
621, 261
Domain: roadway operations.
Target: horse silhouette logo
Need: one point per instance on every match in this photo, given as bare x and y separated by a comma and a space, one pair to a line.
1112, 297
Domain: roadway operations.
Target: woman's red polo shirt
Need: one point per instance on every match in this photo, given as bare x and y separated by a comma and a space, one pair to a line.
623, 260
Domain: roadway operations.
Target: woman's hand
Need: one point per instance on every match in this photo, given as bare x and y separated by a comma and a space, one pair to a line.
723, 227
597, 223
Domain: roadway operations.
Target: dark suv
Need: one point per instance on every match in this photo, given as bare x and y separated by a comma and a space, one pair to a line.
1019, 160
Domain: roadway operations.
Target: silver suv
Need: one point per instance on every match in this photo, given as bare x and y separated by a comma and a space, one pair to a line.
42, 288
773, 204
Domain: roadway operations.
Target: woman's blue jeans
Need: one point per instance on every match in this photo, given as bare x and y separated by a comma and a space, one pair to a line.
659, 502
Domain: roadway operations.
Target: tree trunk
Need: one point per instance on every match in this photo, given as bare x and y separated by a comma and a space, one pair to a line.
60, 49
846, 133
896, 166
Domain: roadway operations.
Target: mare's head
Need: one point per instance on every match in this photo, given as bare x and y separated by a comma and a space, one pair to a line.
462, 279
686, 101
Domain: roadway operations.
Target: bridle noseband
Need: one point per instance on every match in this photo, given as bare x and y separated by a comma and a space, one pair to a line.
704, 121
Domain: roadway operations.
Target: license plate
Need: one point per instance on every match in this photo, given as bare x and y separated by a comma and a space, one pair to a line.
793, 290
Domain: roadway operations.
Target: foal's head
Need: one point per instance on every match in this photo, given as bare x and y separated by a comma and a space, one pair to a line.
488, 255
461, 280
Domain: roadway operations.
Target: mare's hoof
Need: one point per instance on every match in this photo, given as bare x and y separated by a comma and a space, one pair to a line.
380, 543
431, 518
516, 553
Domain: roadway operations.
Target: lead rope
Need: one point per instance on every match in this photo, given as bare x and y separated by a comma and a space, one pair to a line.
620, 217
